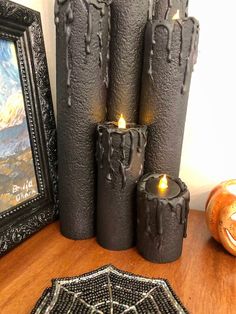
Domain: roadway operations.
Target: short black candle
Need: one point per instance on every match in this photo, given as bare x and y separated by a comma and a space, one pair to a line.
120, 158
161, 218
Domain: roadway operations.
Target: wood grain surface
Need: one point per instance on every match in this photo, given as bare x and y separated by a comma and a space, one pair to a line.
204, 278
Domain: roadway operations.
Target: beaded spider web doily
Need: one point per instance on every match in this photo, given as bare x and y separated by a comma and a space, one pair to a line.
108, 290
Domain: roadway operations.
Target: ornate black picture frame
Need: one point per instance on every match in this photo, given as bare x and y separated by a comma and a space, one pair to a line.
22, 26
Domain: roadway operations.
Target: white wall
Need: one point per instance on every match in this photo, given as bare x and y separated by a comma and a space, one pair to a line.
209, 151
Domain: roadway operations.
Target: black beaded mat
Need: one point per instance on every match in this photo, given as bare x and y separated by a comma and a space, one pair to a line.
108, 290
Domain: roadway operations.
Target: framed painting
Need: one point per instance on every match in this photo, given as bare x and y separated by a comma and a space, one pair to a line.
28, 160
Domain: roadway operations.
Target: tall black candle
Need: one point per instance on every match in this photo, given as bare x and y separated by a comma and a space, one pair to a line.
120, 155
82, 66
170, 53
166, 9
128, 21
161, 218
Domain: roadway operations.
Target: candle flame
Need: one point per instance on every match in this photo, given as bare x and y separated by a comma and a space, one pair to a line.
122, 122
163, 183
176, 16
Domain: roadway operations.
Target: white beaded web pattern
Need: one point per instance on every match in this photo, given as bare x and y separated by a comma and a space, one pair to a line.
108, 290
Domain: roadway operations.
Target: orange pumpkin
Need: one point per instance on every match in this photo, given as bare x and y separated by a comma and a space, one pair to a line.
221, 215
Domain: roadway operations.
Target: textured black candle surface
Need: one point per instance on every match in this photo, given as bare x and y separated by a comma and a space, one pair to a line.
120, 155
170, 53
166, 9
82, 63
161, 223
128, 21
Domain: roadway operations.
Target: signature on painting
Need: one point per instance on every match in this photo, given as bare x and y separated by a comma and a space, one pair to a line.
23, 192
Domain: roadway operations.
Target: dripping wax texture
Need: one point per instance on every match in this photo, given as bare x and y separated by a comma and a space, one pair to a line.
128, 21
170, 53
81, 94
166, 9
120, 158
162, 223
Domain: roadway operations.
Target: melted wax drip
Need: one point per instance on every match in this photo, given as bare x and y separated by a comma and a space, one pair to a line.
169, 26
89, 29
186, 8
181, 42
131, 133
140, 147
68, 20
69, 16
58, 3
159, 223
99, 5
150, 70
122, 163
124, 169
151, 9
148, 221
192, 51
109, 158
100, 148
108, 48
141, 137
99, 34
186, 219
170, 4
155, 235
148, 230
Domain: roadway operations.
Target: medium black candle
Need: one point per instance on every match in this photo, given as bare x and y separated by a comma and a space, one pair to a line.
163, 207
82, 67
128, 21
170, 54
120, 156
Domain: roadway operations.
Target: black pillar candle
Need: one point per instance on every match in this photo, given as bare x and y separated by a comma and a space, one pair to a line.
120, 155
128, 21
82, 58
166, 9
171, 51
161, 218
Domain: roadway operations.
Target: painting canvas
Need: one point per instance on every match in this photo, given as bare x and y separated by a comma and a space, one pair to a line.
18, 181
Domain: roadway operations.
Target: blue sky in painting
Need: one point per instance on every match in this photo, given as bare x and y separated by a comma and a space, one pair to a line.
9, 73
12, 108
16, 162
14, 136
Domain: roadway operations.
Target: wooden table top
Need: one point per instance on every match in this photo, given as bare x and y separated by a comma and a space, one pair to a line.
204, 277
